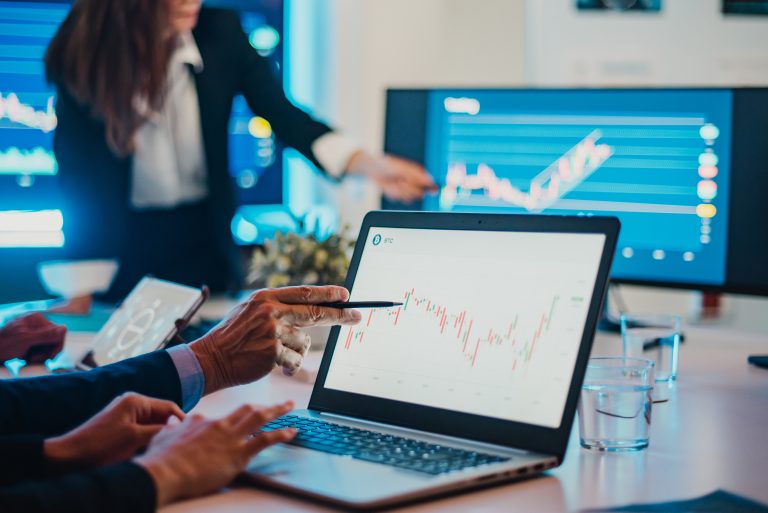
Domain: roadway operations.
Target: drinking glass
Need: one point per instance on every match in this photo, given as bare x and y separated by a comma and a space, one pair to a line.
615, 405
655, 337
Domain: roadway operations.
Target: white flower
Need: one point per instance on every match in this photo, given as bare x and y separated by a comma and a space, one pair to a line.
278, 280
306, 246
283, 263
293, 259
311, 278
321, 257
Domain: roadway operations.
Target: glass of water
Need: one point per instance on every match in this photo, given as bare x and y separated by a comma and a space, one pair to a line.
615, 405
653, 336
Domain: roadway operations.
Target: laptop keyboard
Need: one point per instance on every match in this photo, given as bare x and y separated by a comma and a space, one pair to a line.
381, 448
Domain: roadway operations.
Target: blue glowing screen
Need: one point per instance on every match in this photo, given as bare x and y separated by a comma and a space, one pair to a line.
658, 160
27, 117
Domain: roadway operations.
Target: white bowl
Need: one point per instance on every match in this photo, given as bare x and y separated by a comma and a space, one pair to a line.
74, 278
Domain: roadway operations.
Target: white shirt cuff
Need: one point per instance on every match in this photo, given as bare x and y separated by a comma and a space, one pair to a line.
191, 375
334, 151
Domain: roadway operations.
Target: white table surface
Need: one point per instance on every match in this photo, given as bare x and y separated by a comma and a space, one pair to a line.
712, 434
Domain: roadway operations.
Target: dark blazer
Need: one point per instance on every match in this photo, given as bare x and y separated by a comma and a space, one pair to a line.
33, 409
96, 183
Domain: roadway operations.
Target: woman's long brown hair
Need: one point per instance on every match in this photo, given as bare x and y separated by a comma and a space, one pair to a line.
108, 54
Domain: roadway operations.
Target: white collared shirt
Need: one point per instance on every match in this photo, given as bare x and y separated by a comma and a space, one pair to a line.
169, 165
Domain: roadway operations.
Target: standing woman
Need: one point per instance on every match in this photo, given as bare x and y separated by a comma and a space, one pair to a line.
145, 92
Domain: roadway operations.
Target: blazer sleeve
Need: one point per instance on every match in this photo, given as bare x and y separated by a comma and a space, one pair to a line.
22, 459
52, 405
121, 488
93, 182
266, 97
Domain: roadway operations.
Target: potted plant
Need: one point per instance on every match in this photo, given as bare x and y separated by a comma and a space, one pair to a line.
293, 259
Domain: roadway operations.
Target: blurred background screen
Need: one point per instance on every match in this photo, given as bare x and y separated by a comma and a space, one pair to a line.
30, 217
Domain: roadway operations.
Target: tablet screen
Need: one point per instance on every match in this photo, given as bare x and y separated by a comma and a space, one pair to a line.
145, 321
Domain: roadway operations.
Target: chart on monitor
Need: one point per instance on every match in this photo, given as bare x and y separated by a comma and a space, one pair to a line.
27, 105
658, 160
490, 323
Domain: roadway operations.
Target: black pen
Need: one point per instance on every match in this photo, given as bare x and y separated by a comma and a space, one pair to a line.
360, 304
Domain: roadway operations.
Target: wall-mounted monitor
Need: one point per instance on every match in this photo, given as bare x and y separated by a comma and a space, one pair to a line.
683, 169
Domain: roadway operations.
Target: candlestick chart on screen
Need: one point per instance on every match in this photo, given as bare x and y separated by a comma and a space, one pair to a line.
490, 321
457, 329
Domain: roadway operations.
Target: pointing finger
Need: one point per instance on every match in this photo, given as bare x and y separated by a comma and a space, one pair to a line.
150, 410
312, 315
264, 440
147, 433
256, 418
310, 294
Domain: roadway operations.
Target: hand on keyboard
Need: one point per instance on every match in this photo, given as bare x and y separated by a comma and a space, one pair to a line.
381, 448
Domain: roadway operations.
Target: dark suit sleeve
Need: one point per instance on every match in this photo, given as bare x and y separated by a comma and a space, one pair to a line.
266, 97
22, 459
121, 488
52, 405
55, 404
92, 180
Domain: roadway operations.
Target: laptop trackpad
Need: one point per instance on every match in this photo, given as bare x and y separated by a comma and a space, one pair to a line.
330, 475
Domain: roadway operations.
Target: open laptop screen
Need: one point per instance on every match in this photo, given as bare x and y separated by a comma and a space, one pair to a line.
491, 322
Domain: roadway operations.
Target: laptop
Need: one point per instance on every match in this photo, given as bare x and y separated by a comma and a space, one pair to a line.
474, 379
